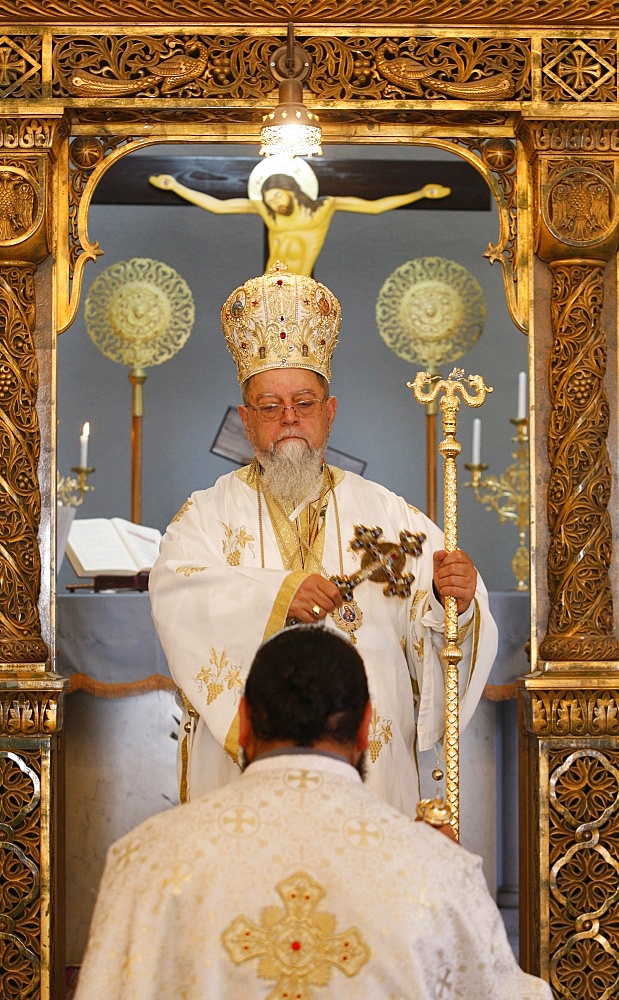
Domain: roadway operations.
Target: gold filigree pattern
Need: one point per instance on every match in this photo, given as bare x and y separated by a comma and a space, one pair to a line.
18, 204
20, 630
171, 66
219, 676
579, 70
498, 158
579, 201
21, 66
430, 310
574, 136
85, 156
33, 133
297, 946
139, 312
575, 713
201, 66
455, 68
20, 903
540, 12
28, 714
583, 863
580, 621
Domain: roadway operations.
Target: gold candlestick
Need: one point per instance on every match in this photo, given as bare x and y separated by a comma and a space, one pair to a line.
426, 388
509, 496
70, 490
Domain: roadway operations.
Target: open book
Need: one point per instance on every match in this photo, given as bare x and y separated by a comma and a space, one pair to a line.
97, 546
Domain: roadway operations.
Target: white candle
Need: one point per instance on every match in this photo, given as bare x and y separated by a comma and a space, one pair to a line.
84, 446
476, 441
522, 396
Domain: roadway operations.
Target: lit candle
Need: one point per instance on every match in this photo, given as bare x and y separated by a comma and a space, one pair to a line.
476, 441
522, 396
84, 446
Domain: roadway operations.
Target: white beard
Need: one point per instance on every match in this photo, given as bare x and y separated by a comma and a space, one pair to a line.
291, 470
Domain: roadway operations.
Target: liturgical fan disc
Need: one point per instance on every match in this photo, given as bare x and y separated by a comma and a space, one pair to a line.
430, 310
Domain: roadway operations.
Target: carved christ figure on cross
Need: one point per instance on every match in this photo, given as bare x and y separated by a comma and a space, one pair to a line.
283, 191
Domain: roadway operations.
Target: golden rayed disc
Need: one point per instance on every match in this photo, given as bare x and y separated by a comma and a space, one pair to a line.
139, 312
430, 310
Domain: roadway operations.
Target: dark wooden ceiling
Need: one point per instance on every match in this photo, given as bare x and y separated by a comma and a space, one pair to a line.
126, 183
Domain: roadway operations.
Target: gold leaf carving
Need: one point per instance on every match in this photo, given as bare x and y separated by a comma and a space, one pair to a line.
575, 713
20, 500
17, 205
454, 68
580, 622
583, 882
579, 69
28, 714
21, 66
580, 205
30, 133
540, 12
342, 69
20, 921
575, 136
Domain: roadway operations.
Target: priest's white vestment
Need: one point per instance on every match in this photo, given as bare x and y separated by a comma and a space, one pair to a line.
296, 881
221, 586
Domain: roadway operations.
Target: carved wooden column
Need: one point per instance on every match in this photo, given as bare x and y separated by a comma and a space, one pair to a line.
31, 955
570, 703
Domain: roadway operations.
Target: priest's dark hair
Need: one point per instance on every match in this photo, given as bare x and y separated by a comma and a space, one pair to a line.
307, 683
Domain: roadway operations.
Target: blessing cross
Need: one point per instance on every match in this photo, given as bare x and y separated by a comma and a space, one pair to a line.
426, 388
382, 562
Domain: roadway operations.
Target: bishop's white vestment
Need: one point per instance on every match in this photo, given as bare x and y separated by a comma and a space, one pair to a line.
223, 583
296, 881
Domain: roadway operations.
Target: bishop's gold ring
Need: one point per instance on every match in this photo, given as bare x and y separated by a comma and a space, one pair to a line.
316, 611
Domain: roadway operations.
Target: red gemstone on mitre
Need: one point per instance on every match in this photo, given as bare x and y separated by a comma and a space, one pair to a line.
282, 335
279, 281
295, 945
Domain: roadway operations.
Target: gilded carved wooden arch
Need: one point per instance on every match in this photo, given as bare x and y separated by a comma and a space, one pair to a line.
528, 93
496, 159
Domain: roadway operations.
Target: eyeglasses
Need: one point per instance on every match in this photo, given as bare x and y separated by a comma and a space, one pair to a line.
275, 411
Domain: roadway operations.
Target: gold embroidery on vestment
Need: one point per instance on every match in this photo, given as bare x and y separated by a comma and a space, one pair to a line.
188, 571
296, 947
380, 735
234, 541
219, 676
188, 731
231, 743
476, 623
188, 503
420, 595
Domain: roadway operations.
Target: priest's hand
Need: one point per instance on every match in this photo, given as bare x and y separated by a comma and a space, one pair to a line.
314, 599
454, 576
